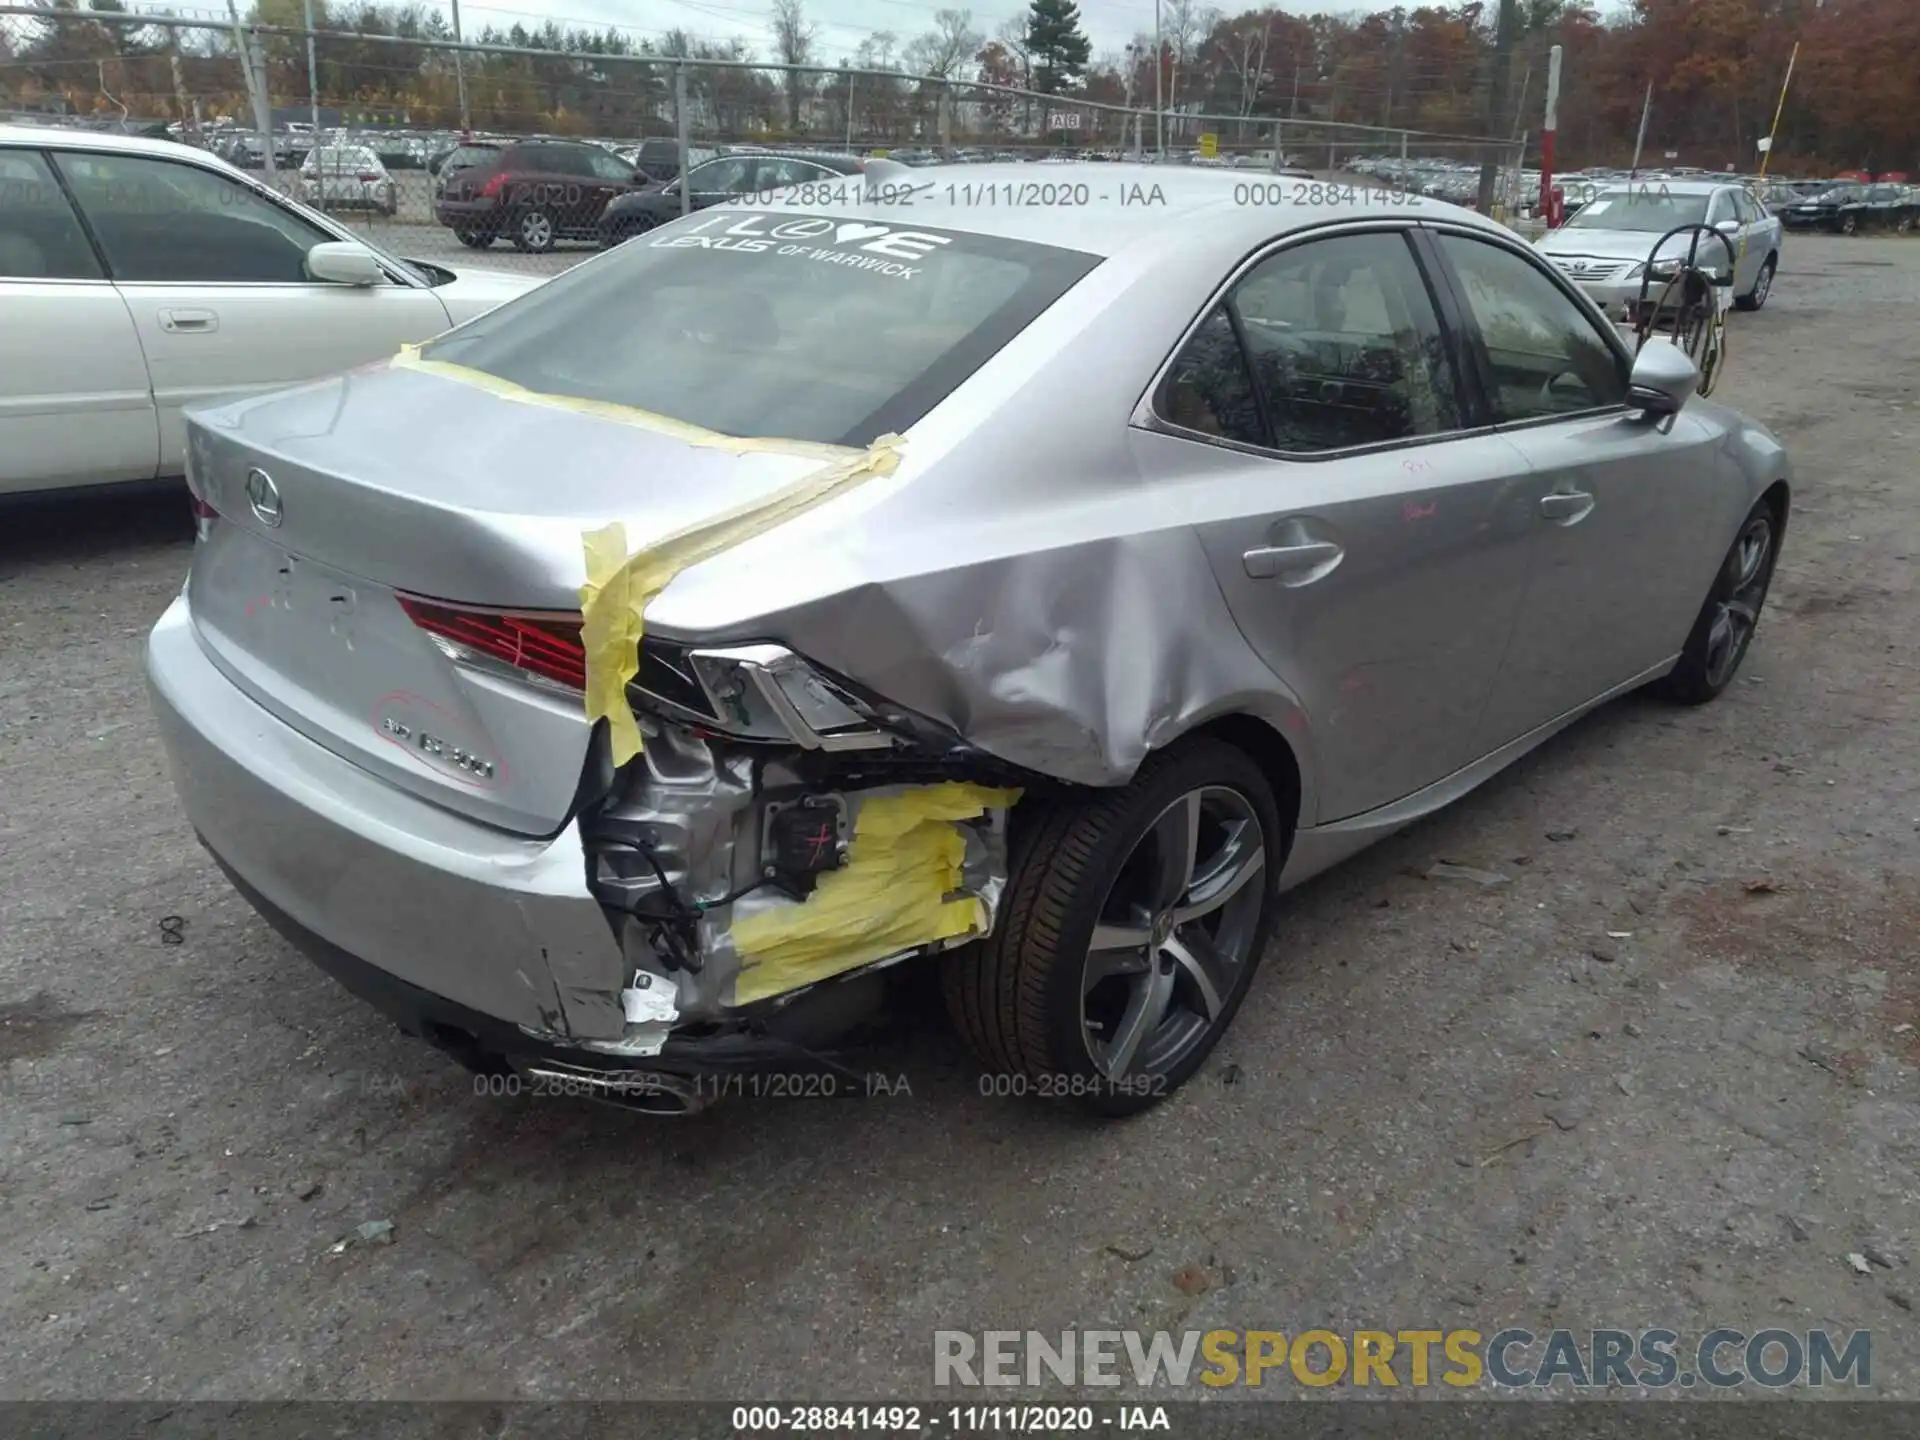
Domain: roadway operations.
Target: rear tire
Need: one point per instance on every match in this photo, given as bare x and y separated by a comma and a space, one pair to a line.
474, 239
1174, 879
1724, 629
534, 232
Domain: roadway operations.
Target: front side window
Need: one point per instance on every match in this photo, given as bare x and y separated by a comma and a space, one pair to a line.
750, 323
775, 173
1721, 209
40, 237
161, 221
1547, 357
1345, 346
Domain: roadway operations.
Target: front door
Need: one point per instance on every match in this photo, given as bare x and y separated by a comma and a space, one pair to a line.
1363, 534
1616, 574
214, 275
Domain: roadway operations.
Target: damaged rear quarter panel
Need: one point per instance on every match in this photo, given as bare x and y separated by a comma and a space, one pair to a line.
1018, 579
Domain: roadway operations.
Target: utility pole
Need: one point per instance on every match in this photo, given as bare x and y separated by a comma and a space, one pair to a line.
680, 121
849, 112
313, 73
1547, 133
1640, 140
189, 110
1499, 83
255, 77
1159, 102
460, 75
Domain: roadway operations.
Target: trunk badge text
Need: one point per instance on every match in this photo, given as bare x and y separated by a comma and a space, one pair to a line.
264, 496
440, 749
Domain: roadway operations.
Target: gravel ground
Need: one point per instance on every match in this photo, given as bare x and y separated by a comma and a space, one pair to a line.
1440, 1106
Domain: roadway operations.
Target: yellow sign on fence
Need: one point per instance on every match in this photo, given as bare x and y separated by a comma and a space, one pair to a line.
1210, 146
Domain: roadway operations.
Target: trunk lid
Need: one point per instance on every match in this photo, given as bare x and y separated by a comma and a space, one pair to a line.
392, 487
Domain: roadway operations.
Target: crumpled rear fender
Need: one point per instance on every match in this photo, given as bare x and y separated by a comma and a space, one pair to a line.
1074, 662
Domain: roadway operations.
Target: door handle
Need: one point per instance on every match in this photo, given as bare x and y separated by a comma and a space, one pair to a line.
1566, 505
1284, 562
188, 322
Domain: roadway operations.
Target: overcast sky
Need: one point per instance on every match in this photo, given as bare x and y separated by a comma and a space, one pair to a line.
841, 24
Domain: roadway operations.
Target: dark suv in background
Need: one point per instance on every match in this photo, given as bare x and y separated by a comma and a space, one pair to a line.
534, 194
725, 178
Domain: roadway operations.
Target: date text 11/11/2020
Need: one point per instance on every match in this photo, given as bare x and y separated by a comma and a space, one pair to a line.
1073, 194
958, 1419
767, 1085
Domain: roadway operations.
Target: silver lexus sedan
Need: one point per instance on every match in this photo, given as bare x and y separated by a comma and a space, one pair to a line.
1027, 578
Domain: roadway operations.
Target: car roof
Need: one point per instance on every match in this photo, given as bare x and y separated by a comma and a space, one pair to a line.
49, 137
1079, 205
1671, 186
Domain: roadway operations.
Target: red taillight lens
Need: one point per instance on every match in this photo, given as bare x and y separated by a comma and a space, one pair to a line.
494, 185
543, 645
364, 175
204, 515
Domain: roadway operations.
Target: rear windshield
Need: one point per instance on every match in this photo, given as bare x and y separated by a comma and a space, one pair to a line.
470, 155
755, 324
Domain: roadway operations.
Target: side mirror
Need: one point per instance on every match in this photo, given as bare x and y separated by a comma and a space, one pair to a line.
1664, 378
1728, 227
341, 262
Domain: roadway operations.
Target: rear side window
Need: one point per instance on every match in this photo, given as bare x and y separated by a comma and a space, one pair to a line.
40, 237
1208, 388
802, 326
468, 155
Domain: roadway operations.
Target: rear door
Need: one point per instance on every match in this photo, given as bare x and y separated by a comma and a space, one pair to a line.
75, 404
1618, 508
214, 274
1356, 509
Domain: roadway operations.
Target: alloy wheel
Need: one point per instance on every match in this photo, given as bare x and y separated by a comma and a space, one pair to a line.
1764, 288
1175, 934
536, 230
1738, 610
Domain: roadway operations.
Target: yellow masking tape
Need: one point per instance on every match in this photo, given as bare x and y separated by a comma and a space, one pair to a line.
903, 863
620, 586
409, 359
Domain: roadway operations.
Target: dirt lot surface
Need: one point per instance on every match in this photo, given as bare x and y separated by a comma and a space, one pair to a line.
1441, 1105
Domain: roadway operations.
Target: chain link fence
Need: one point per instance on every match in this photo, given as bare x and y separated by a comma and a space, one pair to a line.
383, 132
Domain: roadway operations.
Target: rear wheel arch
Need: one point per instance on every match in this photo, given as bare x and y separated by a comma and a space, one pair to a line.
1272, 752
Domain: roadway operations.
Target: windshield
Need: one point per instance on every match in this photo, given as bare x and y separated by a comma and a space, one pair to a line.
1652, 210
801, 326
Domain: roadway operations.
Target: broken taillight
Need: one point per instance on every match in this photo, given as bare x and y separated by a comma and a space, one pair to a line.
204, 515
547, 646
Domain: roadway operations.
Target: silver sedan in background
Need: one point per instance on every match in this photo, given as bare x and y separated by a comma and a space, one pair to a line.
921, 571
1607, 247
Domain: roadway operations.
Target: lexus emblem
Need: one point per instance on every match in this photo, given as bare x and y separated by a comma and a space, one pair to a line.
264, 496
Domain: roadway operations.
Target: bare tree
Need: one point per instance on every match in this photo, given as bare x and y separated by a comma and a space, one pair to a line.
793, 36
1012, 35
1182, 24
943, 49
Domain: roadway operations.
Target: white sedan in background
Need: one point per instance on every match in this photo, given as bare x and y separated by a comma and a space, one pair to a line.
347, 177
141, 276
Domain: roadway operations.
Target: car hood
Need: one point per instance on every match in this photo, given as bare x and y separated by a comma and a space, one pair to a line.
1620, 244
